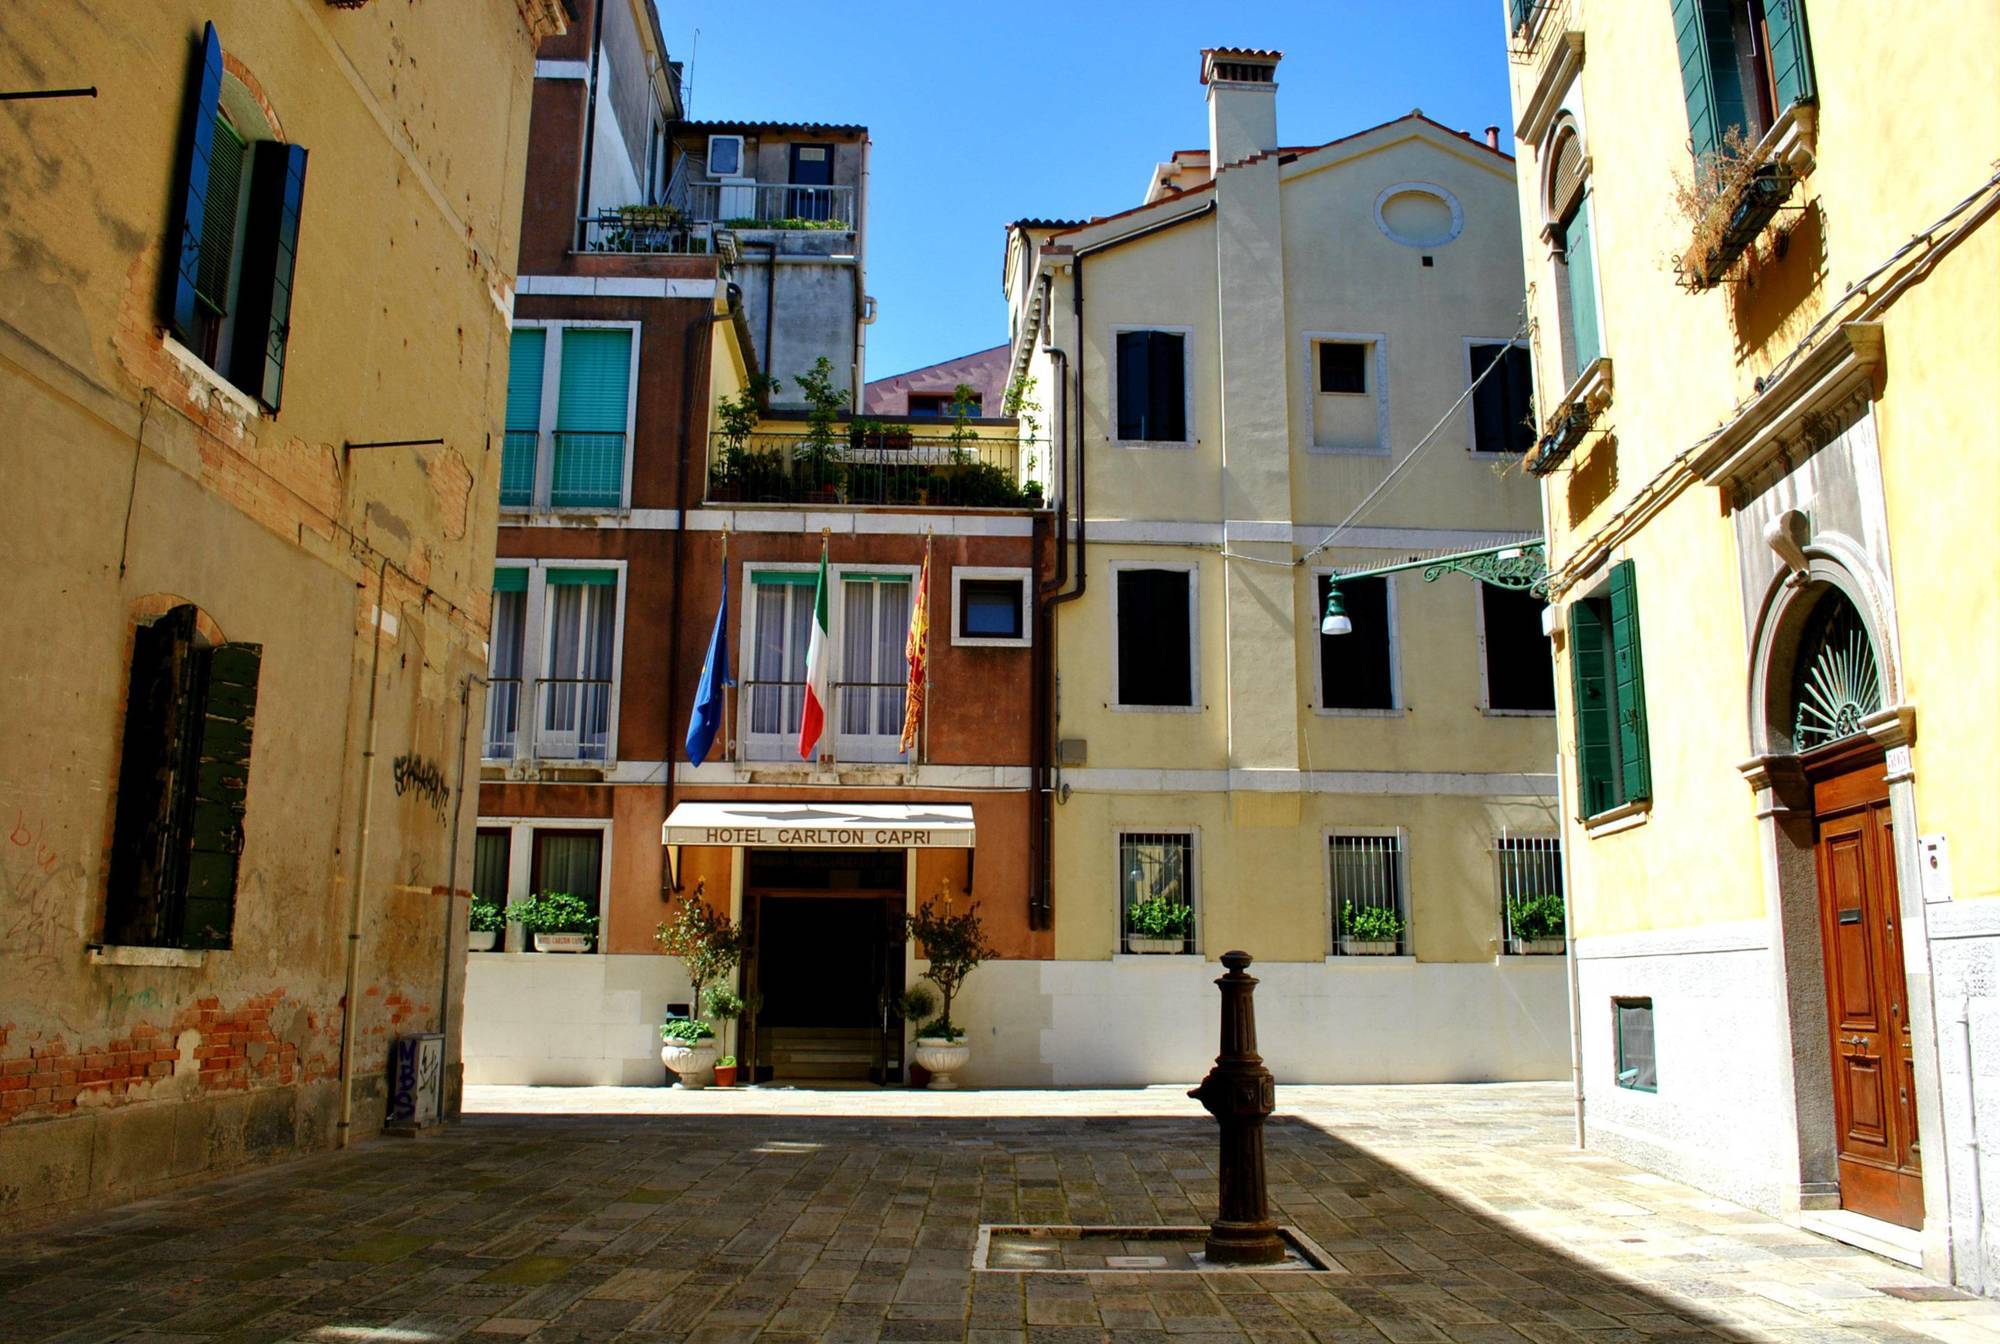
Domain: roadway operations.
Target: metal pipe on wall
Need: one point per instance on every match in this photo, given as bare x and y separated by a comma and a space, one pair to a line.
348, 1007
451, 870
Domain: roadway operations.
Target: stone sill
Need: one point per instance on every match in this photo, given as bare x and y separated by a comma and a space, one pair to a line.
173, 958
1624, 817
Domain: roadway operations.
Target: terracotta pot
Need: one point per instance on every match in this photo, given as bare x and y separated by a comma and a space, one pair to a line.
942, 1058
482, 940
725, 1075
691, 1061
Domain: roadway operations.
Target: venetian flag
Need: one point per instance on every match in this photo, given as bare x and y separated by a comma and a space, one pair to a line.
916, 649
818, 656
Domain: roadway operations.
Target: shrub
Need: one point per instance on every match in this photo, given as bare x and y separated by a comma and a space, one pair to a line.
1370, 923
726, 1062
707, 943
954, 945
554, 912
487, 916
917, 1003
685, 1029
1538, 915
1158, 917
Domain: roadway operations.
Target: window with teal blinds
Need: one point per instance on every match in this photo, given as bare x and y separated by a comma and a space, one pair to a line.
524, 417
1579, 264
591, 419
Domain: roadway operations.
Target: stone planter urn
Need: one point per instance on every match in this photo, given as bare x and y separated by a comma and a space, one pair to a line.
942, 1058
1139, 943
562, 942
693, 1062
482, 940
1367, 947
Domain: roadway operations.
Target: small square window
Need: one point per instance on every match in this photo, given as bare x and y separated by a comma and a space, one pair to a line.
989, 609
1343, 367
1632, 1021
725, 155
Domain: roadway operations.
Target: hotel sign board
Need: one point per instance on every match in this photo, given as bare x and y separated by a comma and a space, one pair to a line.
779, 825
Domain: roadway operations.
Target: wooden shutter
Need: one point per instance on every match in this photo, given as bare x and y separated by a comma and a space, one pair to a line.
221, 759
1166, 386
1579, 266
1134, 366
270, 253
1520, 383
1629, 687
1791, 54
191, 191
146, 856
1705, 40
1591, 706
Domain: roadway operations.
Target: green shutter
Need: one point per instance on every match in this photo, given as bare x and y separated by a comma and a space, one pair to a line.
596, 578
1579, 265
802, 578
222, 774
197, 149
1791, 53
1591, 707
1705, 41
270, 256
589, 466
510, 579
525, 355
1629, 687
146, 858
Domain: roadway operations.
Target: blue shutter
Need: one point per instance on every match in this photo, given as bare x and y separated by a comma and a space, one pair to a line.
1628, 674
1579, 262
589, 467
270, 255
1791, 53
1133, 398
197, 149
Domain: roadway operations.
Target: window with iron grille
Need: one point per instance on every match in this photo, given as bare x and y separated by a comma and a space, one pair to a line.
1527, 873
1156, 869
1632, 1042
1370, 905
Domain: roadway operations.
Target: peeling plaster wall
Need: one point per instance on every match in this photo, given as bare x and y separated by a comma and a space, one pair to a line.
136, 479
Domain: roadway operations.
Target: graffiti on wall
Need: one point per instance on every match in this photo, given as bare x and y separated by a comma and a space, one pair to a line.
30, 883
419, 775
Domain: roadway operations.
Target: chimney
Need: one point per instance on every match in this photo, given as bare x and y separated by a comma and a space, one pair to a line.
1493, 137
1242, 103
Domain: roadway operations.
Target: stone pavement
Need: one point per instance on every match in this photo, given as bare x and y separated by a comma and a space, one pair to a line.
628, 1215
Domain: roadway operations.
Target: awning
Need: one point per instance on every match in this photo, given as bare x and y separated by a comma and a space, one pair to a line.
781, 825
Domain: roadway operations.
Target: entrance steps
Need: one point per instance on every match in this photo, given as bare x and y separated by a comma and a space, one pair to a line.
822, 1053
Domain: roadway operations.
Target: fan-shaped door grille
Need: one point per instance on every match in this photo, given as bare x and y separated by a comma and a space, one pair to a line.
1835, 684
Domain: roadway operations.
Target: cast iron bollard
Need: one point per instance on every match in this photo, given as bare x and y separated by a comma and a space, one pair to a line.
1238, 1093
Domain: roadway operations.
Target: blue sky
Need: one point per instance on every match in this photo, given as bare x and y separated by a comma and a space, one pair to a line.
973, 127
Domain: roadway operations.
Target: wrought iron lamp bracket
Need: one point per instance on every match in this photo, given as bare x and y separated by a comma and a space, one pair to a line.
1522, 567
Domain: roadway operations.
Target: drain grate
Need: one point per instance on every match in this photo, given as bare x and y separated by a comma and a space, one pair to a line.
1056, 1248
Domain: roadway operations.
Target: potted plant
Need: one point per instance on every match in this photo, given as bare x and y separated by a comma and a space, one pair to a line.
916, 1004
954, 945
723, 1005
708, 946
487, 921
1535, 924
817, 462
1157, 924
1369, 930
736, 419
559, 921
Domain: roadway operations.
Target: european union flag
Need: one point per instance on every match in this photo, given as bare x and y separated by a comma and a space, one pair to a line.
706, 720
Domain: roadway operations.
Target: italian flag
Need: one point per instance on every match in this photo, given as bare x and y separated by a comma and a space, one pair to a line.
814, 720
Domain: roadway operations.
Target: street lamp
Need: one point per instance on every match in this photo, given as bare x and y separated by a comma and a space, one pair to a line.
1521, 566
1336, 621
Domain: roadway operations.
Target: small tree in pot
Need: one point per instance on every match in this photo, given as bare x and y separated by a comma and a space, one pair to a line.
724, 1004
954, 944
709, 946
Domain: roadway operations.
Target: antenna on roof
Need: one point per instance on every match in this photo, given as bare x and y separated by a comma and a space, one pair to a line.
687, 78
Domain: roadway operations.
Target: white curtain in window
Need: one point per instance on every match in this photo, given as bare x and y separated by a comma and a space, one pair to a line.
875, 622
504, 658
576, 696
782, 628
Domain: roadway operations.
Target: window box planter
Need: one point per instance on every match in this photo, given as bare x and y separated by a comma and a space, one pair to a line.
693, 1062
563, 942
482, 940
1754, 205
942, 1057
1368, 947
1140, 944
1537, 947
1563, 433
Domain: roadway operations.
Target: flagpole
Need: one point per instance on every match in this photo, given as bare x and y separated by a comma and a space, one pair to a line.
729, 683
930, 672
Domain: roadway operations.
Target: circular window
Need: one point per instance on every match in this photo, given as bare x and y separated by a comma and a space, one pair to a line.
1417, 214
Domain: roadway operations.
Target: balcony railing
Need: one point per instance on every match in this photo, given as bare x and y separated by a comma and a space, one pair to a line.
771, 711
517, 468
653, 231
588, 471
770, 205
573, 719
890, 467
503, 718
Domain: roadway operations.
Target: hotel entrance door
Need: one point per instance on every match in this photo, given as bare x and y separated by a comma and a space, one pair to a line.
826, 953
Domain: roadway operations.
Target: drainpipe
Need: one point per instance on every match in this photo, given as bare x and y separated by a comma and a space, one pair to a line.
451, 865
590, 125
1976, 1253
861, 305
348, 1006
1042, 905
1569, 887
770, 303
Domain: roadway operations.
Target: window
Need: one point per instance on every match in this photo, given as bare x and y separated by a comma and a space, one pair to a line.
1503, 404
1744, 63
1343, 367
1366, 885
573, 695
1156, 865
872, 678
239, 192
1607, 676
569, 861
780, 616
592, 369
1152, 387
990, 606
1527, 872
725, 155
1357, 670
504, 639
491, 859
1632, 1037
183, 777
1520, 675
943, 404
1155, 666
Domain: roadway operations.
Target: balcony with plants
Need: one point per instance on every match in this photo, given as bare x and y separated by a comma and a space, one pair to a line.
833, 460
